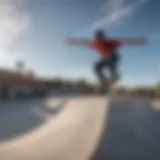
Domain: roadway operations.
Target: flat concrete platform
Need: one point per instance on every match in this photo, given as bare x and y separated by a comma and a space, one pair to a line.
132, 131
79, 128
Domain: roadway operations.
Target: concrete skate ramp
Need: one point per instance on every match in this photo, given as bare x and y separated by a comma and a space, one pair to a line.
132, 132
72, 135
18, 117
92, 128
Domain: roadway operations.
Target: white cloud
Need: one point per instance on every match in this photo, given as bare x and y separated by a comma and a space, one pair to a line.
13, 22
115, 11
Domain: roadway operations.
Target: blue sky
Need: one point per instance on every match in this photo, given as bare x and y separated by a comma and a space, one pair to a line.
38, 36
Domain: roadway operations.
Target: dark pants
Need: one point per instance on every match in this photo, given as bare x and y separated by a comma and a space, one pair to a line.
111, 64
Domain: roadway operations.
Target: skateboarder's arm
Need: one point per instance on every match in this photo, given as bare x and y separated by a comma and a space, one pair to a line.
133, 41
83, 42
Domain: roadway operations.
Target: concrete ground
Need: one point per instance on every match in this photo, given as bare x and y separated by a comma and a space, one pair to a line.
132, 131
79, 128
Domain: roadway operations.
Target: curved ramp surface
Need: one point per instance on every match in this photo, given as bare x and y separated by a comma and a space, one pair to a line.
81, 128
72, 134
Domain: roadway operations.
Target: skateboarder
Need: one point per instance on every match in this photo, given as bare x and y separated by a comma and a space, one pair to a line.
108, 50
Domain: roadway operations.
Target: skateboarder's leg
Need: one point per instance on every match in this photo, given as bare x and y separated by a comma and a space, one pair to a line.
113, 67
114, 72
99, 66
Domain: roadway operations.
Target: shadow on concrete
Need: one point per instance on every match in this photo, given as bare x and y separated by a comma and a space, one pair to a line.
20, 117
132, 132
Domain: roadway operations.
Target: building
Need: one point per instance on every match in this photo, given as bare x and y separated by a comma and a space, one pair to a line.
14, 84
